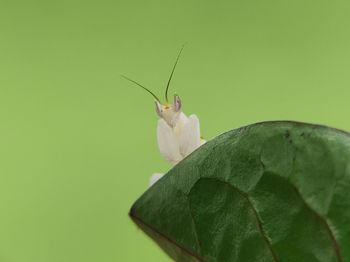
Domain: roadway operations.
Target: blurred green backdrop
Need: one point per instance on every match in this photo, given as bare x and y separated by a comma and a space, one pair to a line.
77, 142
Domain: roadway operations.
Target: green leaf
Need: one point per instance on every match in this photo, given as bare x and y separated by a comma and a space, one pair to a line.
273, 191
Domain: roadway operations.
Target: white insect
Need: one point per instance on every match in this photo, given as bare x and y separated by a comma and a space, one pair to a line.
177, 134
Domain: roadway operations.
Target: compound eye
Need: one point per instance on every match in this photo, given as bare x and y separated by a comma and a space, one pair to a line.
159, 109
177, 103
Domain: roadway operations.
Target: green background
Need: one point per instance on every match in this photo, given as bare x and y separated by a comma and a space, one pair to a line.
77, 142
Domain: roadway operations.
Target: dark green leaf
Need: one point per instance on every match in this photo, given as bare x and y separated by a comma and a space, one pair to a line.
273, 191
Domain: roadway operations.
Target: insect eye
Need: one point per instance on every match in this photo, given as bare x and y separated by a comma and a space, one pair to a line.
159, 108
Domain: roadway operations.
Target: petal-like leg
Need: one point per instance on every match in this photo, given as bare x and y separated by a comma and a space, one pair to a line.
190, 136
167, 142
154, 178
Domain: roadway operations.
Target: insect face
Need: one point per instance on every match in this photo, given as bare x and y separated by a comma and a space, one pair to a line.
169, 112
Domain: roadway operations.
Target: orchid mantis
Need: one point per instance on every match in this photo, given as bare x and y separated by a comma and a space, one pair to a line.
178, 135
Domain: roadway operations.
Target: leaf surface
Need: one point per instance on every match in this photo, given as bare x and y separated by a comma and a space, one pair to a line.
272, 191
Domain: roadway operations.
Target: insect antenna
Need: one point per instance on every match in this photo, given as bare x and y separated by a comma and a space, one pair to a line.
145, 88
171, 75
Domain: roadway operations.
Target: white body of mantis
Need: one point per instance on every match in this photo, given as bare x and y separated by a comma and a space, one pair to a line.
177, 134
